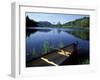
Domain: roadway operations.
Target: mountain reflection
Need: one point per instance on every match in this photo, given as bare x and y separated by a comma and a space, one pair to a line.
32, 31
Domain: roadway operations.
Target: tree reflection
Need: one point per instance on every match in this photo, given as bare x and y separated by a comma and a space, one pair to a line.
30, 31
59, 31
80, 34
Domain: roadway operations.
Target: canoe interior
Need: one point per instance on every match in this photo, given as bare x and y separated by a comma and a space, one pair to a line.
67, 55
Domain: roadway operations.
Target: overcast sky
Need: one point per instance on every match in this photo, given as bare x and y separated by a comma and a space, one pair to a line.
54, 18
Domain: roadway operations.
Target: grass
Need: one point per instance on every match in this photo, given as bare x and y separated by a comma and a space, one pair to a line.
46, 47
34, 52
61, 45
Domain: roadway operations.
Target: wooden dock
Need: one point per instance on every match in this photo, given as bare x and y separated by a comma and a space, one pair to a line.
55, 57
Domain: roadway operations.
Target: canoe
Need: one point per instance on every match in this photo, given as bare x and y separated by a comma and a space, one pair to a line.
54, 58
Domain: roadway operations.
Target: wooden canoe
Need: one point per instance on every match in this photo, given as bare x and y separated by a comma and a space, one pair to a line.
55, 57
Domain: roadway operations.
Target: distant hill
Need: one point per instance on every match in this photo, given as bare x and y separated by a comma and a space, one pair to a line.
83, 22
44, 24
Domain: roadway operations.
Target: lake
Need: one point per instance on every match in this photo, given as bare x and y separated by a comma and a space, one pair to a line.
39, 40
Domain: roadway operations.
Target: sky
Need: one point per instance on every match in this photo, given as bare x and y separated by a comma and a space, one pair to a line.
54, 18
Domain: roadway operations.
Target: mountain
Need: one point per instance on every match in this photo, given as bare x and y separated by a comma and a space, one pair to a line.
83, 22
78, 23
31, 23
44, 24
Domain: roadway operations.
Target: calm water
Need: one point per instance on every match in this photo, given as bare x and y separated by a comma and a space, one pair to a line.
55, 38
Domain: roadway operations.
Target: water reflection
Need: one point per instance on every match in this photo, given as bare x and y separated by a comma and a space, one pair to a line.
31, 31
80, 34
39, 41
